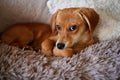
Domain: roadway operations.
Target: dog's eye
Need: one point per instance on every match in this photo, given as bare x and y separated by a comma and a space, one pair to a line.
72, 28
57, 27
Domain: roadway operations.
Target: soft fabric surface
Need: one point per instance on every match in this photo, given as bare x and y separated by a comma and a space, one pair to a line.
16, 11
109, 11
100, 61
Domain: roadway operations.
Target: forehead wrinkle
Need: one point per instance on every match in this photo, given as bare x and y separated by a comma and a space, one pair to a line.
68, 18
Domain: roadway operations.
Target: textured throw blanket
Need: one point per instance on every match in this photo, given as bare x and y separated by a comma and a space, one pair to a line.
100, 61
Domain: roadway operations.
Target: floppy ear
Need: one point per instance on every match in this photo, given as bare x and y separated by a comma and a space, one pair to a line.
90, 17
53, 21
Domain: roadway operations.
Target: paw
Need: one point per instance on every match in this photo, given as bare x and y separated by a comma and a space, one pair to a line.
47, 52
27, 48
47, 47
67, 52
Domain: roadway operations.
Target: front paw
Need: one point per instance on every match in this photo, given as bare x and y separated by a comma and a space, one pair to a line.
47, 52
67, 52
47, 47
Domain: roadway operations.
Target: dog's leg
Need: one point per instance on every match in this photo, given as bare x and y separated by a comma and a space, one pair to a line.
67, 52
22, 43
17, 36
22, 46
47, 47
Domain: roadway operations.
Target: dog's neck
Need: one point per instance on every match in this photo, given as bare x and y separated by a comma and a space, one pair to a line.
80, 46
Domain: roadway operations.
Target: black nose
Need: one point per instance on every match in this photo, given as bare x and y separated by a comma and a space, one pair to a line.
60, 45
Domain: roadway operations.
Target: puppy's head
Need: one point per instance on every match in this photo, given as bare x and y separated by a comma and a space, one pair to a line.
74, 26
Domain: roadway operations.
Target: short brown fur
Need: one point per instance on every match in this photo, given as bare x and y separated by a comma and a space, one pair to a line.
85, 19
45, 37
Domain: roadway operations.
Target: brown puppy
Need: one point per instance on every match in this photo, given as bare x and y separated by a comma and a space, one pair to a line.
71, 31
75, 28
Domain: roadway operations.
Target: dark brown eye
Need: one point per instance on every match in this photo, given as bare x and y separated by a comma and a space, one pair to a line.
58, 27
72, 28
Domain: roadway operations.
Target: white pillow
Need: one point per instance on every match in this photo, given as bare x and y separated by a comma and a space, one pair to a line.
109, 11
12, 11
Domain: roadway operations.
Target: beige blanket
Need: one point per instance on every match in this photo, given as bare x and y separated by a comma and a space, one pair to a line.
100, 61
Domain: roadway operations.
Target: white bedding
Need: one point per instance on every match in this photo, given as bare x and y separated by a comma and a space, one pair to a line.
109, 11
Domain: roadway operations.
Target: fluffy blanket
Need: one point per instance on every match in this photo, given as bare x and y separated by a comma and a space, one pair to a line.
101, 61
109, 11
